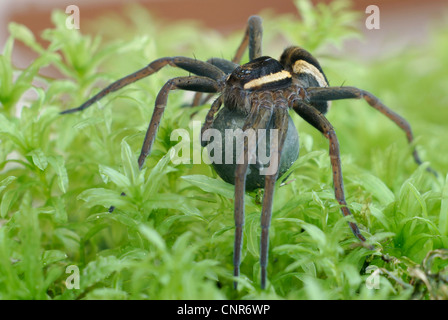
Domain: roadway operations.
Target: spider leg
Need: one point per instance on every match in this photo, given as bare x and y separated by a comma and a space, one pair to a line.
193, 83
223, 64
280, 124
226, 66
210, 116
197, 67
318, 120
252, 38
337, 93
259, 118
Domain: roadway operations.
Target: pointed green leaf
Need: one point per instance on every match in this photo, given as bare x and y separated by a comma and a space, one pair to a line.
153, 236
216, 186
39, 158
25, 35
375, 186
5, 182
152, 183
58, 164
130, 163
103, 197
52, 256
7, 200
116, 177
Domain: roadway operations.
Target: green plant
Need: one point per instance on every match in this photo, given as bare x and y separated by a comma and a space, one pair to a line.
171, 237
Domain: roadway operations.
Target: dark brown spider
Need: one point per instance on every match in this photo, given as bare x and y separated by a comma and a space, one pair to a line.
264, 89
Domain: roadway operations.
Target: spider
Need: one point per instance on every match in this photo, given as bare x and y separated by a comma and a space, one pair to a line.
264, 90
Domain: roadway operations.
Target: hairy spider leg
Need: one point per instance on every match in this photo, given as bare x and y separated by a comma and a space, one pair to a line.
259, 118
318, 120
223, 64
196, 67
216, 105
337, 93
255, 33
252, 38
281, 124
193, 83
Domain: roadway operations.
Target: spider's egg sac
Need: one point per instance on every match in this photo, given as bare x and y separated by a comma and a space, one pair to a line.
227, 122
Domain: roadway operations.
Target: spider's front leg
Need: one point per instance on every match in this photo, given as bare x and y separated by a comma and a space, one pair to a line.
216, 105
336, 93
209, 79
194, 66
281, 125
266, 107
318, 120
259, 118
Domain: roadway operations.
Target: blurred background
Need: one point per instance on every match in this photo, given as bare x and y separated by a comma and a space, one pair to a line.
402, 21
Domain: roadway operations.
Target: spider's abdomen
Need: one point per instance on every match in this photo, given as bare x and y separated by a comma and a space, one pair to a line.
228, 123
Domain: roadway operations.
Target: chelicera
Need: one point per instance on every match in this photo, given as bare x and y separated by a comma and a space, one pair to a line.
261, 93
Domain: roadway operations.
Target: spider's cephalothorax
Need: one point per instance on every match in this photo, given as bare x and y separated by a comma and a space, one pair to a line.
258, 95
297, 69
